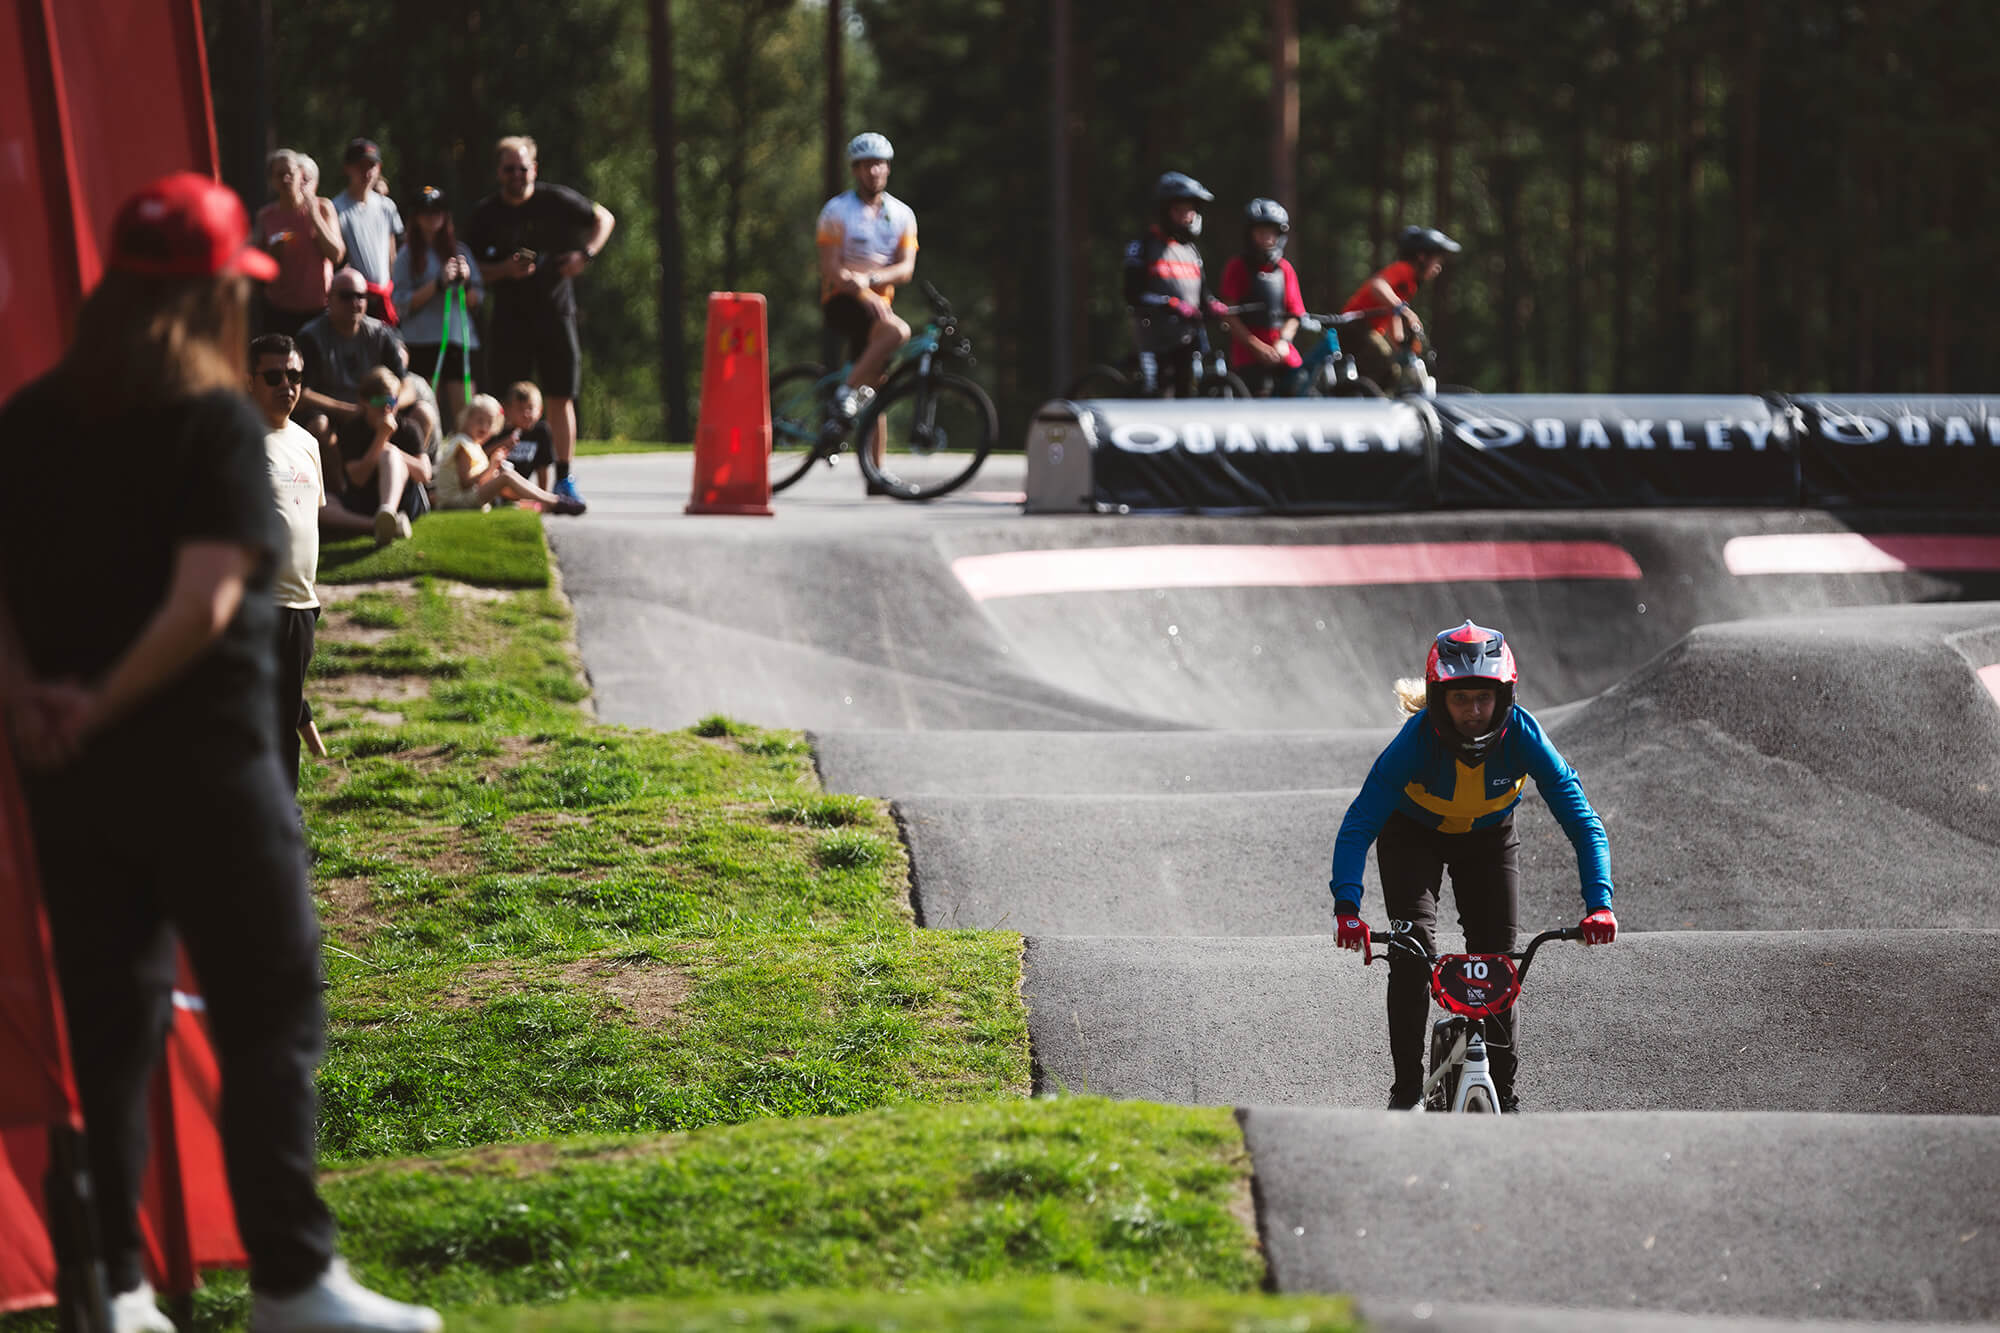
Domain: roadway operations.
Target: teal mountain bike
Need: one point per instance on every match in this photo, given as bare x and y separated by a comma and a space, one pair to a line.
940, 425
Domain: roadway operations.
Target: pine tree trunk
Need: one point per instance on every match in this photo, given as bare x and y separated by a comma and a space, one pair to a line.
1748, 274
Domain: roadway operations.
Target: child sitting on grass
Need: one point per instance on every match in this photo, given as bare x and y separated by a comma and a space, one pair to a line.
532, 449
473, 471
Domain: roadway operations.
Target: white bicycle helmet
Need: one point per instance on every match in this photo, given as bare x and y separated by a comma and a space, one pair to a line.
863, 147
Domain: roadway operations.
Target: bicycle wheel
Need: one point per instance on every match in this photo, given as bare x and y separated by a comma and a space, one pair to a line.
798, 411
1100, 381
1477, 1102
940, 431
1444, 1036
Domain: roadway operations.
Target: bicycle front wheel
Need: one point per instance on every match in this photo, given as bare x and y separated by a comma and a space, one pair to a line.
798, 413
1477, 1102
939, 431
1229, 385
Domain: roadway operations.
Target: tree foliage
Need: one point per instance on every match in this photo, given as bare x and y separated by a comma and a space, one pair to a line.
1671, 195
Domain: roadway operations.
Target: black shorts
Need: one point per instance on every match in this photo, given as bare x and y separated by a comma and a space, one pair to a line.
424, 361
852, 318
543, 350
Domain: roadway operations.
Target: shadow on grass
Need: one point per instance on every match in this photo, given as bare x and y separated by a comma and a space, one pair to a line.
502, 549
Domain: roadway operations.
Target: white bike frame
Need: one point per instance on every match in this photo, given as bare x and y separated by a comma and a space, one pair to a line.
1474, 1071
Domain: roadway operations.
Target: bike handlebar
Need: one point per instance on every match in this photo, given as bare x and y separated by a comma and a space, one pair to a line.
1406, 939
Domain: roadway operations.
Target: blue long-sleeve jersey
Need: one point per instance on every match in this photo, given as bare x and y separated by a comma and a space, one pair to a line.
1419, 777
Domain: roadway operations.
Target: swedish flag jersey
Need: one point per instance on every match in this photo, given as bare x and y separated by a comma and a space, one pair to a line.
1419, 777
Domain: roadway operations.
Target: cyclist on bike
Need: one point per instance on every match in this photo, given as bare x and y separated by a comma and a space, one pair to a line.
1166, 291
867, 246
1442, 795
1420, 253
1261, 275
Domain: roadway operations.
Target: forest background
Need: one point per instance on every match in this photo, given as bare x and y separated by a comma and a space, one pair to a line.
1653, 195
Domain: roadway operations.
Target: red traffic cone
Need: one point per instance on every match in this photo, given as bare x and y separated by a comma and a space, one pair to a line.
732, 441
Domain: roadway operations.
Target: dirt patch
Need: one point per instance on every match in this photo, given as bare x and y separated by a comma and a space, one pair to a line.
650, 992
366, 686
331, 593
474, 985
348, 910
518, 1159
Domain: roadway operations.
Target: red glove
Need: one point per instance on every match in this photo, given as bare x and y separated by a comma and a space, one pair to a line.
1215, 308
1600, 927
1351, 932
1185, 309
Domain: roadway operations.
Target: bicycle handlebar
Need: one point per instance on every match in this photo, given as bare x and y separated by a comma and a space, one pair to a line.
1407, 940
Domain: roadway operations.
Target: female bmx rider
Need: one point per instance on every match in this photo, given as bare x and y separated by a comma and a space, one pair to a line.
1443, 795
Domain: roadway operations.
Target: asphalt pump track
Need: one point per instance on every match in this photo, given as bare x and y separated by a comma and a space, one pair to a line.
1775, 1103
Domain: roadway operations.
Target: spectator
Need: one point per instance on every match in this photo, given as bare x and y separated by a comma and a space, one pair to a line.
299, 487
473, 471
1262, 277
302, 232
531, 242
339, 348
381, 488
370, 225
138, 681
426, 270
529, 447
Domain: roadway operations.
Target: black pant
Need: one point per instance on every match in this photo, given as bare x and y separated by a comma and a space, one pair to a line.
1486, 886
165, 839
295, 653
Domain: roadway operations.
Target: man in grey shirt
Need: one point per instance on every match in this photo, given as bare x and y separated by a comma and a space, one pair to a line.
370, 224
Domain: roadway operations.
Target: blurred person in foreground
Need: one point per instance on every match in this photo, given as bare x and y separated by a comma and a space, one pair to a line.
136, 666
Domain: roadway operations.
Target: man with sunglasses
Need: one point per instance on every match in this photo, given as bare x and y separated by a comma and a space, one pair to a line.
298, 485
531, 240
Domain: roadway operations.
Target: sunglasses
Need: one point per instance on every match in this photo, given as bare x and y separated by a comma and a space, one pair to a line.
351, 296
381, 400
276, 377
514, 171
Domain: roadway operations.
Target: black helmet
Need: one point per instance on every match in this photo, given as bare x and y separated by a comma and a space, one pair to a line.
1414, 241
1469, 655
1266, 213
1171, 188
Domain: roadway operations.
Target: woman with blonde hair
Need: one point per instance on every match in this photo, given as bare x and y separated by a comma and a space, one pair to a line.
137, 668
1442, 796
300, 230
473, 470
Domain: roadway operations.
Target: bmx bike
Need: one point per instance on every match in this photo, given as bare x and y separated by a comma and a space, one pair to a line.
938, 420
1472, 987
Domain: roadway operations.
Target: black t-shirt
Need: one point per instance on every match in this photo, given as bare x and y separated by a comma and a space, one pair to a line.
85, 567
335, 365
553, 219
533, 447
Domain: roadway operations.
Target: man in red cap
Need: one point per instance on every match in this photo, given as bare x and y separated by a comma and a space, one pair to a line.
136, 665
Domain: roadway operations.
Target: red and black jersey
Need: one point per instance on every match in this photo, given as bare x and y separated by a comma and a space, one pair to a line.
1158, 271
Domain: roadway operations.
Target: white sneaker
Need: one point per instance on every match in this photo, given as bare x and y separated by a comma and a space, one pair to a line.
336, 1303
136, 1311
385, 525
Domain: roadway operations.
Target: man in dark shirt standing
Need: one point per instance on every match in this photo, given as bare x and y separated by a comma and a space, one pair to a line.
531, 241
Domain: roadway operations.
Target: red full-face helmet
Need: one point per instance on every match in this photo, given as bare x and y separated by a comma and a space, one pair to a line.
1470, 655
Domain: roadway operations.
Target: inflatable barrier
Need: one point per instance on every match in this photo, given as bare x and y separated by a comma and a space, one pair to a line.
1507, 451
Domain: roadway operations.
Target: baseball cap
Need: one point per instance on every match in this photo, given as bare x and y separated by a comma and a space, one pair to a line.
361, 150
186, 226
431, 199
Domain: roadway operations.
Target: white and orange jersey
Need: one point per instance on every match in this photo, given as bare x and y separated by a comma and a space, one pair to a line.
869, 236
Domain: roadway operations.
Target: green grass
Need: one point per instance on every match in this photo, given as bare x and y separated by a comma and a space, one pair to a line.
500, 549
1048, 1305
599, 448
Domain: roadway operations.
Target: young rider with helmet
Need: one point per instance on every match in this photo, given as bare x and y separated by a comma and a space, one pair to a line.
1166, 291
867, 242
1420, 253
1442, 795
1261, 275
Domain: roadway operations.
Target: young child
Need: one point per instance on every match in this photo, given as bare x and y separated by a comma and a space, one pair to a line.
473, 470
1443, 795
1420, 253
1261, 275
530, 447
1166, 293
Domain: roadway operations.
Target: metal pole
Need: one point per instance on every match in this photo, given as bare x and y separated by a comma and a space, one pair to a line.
1061, 293
667, 226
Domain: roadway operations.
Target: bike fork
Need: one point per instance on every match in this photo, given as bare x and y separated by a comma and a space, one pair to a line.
1478, 1072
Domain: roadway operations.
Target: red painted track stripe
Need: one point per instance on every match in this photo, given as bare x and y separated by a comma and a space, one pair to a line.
1989, 676
1858, 553
1124, 568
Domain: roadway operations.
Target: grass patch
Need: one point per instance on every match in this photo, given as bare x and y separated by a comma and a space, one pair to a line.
503, 549
1049, 1305
542, 926
600, 448
913, 1197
